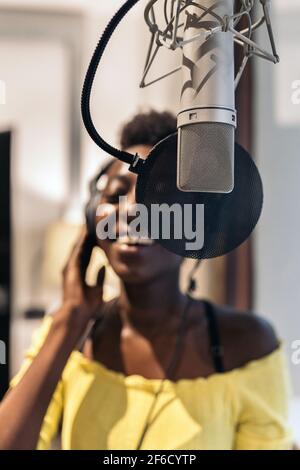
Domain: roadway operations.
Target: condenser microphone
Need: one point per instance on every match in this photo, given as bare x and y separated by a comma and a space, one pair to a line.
211, 172
207, 116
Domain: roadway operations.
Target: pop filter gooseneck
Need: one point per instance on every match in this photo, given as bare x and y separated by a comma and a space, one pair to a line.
126, 157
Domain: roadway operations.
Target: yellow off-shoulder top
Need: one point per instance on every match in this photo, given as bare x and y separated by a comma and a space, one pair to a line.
100, 409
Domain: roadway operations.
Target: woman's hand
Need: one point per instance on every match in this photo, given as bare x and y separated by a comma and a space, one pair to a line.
79, 299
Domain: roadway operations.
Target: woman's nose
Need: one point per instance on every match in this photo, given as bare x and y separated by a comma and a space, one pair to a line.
130, 207
127, 211
130, 204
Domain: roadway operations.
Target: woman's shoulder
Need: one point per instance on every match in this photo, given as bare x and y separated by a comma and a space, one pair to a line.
245, 336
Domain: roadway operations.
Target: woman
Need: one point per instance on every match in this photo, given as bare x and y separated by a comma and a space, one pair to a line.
159, 370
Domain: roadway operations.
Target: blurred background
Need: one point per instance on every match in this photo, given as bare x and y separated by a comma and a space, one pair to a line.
47, 159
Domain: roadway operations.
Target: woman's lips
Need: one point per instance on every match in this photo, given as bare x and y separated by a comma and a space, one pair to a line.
127, 245
134, 249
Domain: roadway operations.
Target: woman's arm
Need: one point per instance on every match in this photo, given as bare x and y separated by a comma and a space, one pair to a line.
23, 409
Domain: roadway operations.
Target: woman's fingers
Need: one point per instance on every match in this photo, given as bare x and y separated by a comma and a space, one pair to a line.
80, 257
74, 285
84, 256
100, 277
95, 293
76, 292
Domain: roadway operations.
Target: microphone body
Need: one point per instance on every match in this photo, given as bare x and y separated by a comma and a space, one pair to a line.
207, 117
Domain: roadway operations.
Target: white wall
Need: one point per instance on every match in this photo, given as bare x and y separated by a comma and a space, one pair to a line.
35, 75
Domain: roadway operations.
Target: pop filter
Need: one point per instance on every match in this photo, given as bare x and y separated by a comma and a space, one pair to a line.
229, 219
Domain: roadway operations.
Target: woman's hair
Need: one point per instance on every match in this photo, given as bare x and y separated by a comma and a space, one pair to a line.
147, 129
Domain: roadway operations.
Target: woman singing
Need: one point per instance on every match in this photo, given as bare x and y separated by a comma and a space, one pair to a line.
158, 370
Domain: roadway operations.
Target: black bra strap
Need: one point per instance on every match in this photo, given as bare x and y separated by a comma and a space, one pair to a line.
214, 335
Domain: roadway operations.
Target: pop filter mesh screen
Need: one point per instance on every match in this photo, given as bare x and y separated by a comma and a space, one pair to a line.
211, 170
229, 219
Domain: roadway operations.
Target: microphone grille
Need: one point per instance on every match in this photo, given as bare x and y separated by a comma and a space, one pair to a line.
206, 158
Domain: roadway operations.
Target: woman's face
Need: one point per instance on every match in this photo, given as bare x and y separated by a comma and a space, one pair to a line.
132, 259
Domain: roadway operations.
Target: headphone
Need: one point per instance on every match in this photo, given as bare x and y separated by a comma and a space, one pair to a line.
96, 190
